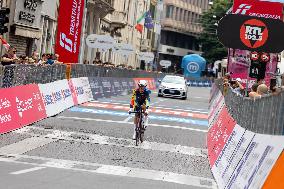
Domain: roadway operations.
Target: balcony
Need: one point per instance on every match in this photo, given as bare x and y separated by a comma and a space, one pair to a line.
118, 19
181, 26
101, 7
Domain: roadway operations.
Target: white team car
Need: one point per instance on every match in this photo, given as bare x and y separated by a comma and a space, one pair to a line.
173, 86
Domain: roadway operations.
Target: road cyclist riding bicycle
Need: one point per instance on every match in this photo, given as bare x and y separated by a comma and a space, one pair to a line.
140, 100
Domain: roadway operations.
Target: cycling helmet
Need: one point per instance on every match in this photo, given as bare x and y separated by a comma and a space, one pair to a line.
142, 83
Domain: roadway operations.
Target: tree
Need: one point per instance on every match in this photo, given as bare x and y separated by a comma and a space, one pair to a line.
212, 48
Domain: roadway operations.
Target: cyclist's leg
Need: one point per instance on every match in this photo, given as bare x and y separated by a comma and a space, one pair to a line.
135, 125
145, 118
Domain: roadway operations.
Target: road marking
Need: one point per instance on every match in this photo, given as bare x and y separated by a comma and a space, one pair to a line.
177, 108
189, 180
155, 125
167, 111
121, 142
26, 145
203, 123
127, 119
27, 170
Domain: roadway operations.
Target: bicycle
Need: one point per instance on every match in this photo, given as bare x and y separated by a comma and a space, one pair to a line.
140, 127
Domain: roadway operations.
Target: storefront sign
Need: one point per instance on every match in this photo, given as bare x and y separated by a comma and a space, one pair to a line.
69, 30
103, 42
165, 63
123, 48
28, 13
146, 56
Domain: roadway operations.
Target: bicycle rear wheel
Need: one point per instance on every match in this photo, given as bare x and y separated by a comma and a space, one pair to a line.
137, 137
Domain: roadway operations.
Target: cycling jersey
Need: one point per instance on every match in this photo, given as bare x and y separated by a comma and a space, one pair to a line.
140, 99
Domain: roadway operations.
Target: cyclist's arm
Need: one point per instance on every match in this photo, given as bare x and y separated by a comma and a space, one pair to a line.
133, 98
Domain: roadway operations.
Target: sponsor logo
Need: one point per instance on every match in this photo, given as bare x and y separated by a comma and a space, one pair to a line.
192, 67
245, 8
254, 33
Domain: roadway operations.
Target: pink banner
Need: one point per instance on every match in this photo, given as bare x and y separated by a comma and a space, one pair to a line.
218, 135
238, 64
20, 106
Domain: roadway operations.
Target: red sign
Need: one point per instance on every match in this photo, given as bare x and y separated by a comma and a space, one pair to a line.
258, 8
69, 30
254, 33
218, 134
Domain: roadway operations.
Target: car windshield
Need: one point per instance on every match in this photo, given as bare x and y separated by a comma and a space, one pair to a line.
173, 80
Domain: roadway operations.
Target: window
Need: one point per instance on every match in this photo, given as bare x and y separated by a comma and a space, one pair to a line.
169, 11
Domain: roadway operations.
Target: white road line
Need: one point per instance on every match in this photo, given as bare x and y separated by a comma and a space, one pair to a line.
121, 142
155, 125
27, 170
127, 119
26, 145
189, 180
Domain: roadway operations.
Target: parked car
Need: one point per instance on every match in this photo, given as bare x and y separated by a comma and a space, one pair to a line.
173, 86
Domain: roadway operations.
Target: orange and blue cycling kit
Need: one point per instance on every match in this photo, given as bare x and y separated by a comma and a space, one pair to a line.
140, 99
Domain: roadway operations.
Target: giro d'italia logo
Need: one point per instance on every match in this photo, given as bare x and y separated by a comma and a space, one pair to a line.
192, 67
254, 33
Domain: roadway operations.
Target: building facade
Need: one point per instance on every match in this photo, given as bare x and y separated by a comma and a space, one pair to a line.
119, 22
32, 25
180, 30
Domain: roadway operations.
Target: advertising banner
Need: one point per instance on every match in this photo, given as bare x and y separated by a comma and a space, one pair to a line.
29, 103
20, 106
103, 42
96, 87
251, 33
69, 26
9, 116
107, 87
230, 155
218, 135
215, 107
57, 97
257, 162
258, 8
82, 89
117, 86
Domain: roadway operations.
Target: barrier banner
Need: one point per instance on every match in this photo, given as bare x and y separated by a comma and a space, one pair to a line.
57, 97
215, 107
116, 85
125, 87
107, 87
231, 154
82, 89
9, 116
20, 106
218, 134
73, 91
96, 87
131, 85
29, 104
257, 162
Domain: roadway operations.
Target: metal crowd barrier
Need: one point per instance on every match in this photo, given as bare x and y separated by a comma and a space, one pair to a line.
264, 115
15, 75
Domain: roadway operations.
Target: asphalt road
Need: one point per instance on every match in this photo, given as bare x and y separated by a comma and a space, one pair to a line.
90, 146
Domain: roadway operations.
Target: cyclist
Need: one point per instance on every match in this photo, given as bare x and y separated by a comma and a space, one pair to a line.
140, 99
